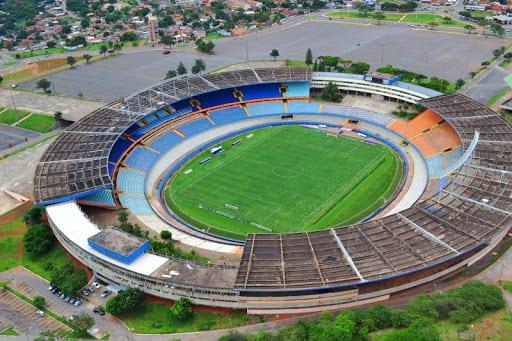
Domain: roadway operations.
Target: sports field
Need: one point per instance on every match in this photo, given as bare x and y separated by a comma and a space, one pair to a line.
284, 179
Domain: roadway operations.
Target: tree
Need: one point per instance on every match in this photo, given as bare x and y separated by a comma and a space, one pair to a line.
43, 84
469, 28
460, 83
167, 41
122, 216
309, 57
166, 235
71, 61
33, 216
359, 68
378, 16
182, 309
51, 44
497, 29
87, 58
181, 69
81, 323
363, 10
1, 79
433, 24
330, 93
103, 49
274, 54
205, 47
39, 302
74, 281
198, 66
171, 74
124, 301
447, 19
38, 240
49, 336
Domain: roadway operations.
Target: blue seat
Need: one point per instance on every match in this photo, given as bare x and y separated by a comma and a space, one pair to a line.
119, 147
164, 142
103, 198
227, 115
195, 127
437, 165
141, 158
137, 203
130, 181
299, 107
260, 91
266, 108
215, 98
297, 89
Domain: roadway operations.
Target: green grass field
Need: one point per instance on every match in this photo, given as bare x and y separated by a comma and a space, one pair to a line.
11, 116
389, 16
155, 318
38, 122
283, 179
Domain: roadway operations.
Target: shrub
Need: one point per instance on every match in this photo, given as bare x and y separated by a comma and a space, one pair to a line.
38, 240
124, 301
182, 309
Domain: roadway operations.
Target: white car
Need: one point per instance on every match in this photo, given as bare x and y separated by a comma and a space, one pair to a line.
96, 285
41, 313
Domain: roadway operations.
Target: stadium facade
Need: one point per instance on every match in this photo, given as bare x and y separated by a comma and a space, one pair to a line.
455, 206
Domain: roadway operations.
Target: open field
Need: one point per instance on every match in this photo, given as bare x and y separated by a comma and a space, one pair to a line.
433, 53
495, 326
389, 16
155, 318
412, 18
11, 249
11, 116
284, 179
38, 122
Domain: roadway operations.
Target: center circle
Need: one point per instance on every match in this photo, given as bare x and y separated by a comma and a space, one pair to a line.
288, 170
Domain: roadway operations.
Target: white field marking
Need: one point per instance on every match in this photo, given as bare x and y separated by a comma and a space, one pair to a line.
240, 153
249, 136
330, 200
188, 171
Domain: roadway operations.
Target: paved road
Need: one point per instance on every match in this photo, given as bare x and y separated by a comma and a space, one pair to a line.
448, 55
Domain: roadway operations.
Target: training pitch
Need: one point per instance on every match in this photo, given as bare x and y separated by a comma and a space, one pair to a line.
284, 179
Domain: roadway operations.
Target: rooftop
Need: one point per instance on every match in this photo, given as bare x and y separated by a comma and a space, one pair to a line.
118, 241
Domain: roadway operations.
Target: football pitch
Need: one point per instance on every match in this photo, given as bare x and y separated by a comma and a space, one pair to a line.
284, 179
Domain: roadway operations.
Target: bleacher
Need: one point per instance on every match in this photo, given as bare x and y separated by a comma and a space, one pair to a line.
215, 98
158, 122
303, 107
438, 164
164, 142
357, 113
227, 115
130, 181
141, 158
195, 127
297, 89
118, 149
136, 203
260, 91
266, 108
101, 198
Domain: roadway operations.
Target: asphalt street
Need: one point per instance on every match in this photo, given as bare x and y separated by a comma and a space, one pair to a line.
450, 55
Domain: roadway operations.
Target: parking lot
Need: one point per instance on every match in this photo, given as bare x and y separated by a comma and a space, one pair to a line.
446, 55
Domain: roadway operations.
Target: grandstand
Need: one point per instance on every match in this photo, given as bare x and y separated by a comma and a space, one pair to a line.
106, 158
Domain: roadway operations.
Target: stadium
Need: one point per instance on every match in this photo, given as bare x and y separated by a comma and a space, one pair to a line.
225, 162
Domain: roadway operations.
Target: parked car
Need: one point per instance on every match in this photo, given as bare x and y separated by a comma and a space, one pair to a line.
99, 311
91, 288
40, 313
62, 295
96, 285
86, 292
166, 52
72, 300
105, 293
67, 298
50, 288
78, 302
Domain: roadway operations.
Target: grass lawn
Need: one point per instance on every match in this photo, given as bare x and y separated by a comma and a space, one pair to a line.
497, 96
214, 35
295, 63
389, 16
425, 18
11, 116
38, 122
154, 318
9, 331
43, 266
283, 179
11, 243
495, 326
